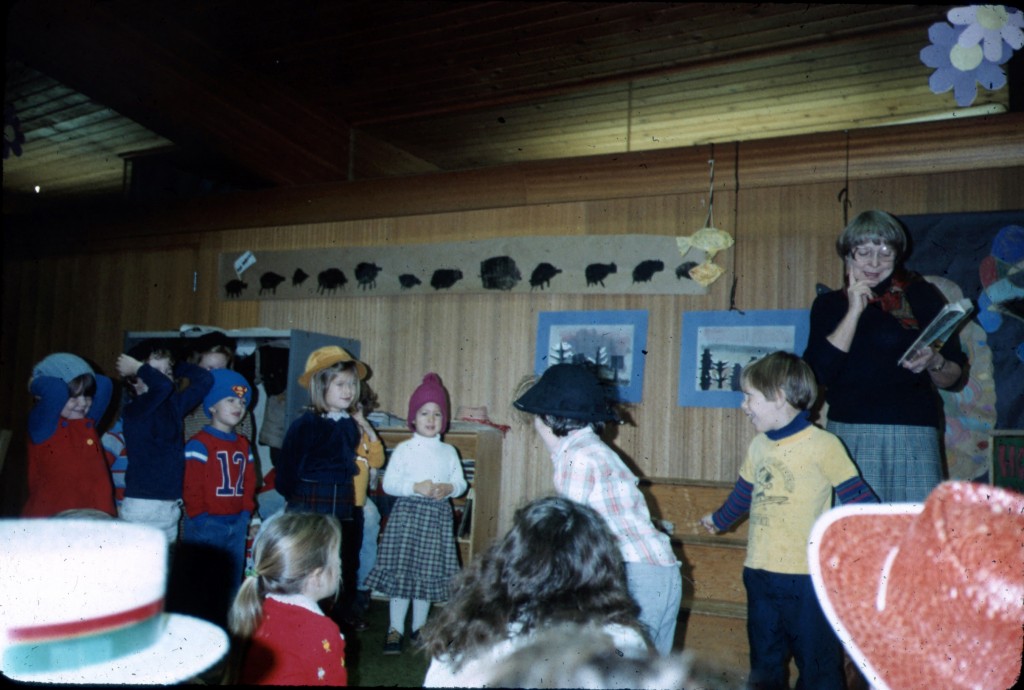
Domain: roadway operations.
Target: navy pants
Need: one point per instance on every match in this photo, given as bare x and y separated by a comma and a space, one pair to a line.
783, 619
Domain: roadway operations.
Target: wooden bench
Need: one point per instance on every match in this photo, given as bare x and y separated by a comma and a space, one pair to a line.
713, 616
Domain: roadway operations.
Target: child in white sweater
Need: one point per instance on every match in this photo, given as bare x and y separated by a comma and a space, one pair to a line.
418, 556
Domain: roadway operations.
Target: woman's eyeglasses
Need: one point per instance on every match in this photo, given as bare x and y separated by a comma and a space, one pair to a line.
882, 253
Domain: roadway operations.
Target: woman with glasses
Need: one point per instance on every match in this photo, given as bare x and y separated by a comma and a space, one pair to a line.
889, 415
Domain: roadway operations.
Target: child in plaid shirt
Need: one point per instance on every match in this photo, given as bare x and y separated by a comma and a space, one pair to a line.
571, 407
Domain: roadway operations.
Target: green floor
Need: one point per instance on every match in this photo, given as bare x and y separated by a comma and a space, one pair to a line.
367, 666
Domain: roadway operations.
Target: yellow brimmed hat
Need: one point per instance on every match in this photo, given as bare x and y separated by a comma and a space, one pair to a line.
325, 357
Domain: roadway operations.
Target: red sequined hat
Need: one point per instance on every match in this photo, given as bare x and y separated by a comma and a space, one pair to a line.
927, 596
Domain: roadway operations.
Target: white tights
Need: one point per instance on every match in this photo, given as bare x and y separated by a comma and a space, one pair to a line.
400, 607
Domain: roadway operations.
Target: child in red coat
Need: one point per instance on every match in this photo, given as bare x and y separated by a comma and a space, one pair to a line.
67, 469
291, 641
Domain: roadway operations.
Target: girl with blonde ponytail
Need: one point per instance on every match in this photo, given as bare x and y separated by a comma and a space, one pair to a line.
290, 640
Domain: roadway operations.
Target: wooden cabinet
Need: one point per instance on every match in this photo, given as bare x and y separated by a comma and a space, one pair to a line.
476, 511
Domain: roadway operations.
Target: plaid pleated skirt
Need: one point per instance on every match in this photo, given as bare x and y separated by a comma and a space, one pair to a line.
901, 463
417, 557
322, 497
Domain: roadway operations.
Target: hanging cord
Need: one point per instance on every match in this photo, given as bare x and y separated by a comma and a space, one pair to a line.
711, 191
736, 225
844, 194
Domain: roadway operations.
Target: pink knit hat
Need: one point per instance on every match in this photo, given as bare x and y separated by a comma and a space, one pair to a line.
429, 391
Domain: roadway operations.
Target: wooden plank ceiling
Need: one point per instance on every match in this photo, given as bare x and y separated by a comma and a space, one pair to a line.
243, 93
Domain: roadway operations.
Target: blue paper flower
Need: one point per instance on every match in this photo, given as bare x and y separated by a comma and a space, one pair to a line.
989, 25
960, 68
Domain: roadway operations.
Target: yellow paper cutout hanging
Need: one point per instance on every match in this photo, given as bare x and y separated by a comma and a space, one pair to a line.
708, 239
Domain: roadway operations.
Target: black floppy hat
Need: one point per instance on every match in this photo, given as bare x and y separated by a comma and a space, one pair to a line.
573, 391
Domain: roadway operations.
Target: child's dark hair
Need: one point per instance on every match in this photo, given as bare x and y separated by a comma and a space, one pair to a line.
368, 400
161, 353
144, 355
558, 563
287, 550
563, 426
82, 385
782, 372
218, 349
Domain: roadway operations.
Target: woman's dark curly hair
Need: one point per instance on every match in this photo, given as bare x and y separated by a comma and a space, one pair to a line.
558, 563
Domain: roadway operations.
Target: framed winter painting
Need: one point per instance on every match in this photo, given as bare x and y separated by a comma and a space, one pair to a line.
718, 344
613, 341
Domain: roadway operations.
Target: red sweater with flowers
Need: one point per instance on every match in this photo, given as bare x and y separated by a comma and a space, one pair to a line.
294, 646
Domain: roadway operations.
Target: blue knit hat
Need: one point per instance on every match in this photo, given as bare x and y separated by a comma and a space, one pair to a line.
62, 365
227, 384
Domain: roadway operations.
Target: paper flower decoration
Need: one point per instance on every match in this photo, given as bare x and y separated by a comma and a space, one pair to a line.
959, 68
989, 25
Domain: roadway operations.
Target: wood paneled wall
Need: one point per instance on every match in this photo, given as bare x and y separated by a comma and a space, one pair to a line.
784, 222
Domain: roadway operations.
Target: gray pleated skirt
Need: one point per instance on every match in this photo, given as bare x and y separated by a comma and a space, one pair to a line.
901, 463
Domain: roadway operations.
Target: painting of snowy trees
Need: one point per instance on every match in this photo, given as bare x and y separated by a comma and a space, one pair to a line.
717, 345
612, 342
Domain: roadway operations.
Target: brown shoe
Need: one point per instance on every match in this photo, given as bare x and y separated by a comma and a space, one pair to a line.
393, 642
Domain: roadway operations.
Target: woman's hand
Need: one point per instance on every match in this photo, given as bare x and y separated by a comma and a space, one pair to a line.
858, 294
424, 488
923, 360
944, 373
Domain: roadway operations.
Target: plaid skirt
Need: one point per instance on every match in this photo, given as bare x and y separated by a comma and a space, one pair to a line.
901, 463
322, 497
417, 557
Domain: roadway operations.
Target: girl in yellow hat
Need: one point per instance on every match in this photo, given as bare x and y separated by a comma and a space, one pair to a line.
325, 458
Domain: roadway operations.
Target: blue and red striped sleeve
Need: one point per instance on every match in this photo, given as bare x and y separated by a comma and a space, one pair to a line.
736, 505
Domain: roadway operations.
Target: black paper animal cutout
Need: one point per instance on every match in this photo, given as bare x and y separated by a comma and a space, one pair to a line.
299, 277
234, 288
408, 280
596, 273
269, 282
499, 273
330, 280
542, 275
366, 275
645, 270
444, 278
683, 269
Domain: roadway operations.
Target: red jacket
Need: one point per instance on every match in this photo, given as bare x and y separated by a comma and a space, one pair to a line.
68, 470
